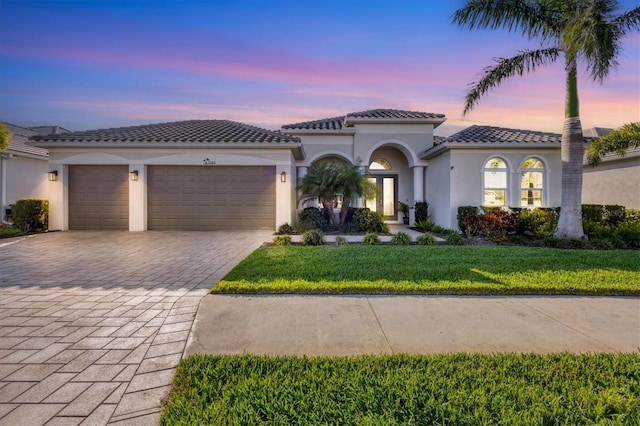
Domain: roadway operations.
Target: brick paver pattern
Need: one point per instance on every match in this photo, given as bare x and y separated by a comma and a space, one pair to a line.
93, 324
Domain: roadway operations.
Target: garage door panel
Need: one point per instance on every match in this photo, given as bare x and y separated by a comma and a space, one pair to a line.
98, 197
210, 198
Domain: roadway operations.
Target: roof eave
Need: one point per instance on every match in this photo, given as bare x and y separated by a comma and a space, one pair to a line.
432, 152
319, 131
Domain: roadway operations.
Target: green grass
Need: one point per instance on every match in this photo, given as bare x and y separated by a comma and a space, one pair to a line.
462, 389
7, 232
434, 270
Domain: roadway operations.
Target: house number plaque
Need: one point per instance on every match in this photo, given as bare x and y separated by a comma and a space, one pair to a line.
208, 162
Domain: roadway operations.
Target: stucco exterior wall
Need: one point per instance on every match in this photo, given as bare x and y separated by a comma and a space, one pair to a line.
616, 181
140, 159
438, 190
466, 180
25, 178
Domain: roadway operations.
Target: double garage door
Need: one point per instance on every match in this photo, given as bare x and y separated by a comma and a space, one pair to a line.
178, 197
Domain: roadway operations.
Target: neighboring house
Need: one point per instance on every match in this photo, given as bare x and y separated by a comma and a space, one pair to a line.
23, 167
616, 180
217, 174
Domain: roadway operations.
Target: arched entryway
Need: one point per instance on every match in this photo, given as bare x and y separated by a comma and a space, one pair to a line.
389, 170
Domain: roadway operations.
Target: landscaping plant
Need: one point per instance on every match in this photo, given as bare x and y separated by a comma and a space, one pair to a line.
282, 240
426, 239
314, 237
401, 239
371, 239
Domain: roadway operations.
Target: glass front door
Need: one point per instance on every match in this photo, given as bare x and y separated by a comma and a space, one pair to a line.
385, 200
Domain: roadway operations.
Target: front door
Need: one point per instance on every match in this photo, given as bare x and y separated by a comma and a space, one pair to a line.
385, 201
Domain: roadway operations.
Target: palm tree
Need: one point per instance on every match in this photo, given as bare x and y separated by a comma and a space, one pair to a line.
5, 136
352, 184
618, 141
585, 31
321, 182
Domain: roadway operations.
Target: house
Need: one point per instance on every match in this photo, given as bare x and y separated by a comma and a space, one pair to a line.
616, 180
23, 167
219, 174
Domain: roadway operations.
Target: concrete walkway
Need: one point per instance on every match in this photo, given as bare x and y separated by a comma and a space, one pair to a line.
93, 324
351, 325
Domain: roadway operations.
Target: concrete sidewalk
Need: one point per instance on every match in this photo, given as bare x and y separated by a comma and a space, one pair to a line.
351, 325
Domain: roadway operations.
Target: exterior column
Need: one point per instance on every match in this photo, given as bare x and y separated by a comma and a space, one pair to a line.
418, 189
302, 172
359, 201
138, 198
3, 186
59, 199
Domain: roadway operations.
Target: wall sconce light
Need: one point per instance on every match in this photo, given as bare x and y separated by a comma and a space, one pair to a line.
134, 175
53, 175
283, 177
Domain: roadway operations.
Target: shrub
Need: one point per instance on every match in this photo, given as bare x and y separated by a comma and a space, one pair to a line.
465, 212
454, 239
614, 214
368, 221
401, 239
540, 222
629, 233
421, 210
312, 218
314, 237
285, 229
592, 213
371, 239
9, 232
490, 209
426, 239
282, 240
385, 229
341, 241
30, 214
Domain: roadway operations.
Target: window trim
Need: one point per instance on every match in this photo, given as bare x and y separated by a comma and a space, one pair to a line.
544, 170
506, 170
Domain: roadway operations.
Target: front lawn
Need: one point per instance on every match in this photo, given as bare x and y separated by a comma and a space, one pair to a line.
434, 270
401, 389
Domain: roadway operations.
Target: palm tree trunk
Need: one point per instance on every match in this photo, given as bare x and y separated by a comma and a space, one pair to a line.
328, 205
346, 203
572, 154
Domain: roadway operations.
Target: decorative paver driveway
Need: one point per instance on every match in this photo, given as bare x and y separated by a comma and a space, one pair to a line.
93, 324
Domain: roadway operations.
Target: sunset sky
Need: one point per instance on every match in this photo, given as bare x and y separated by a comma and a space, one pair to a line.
96, 64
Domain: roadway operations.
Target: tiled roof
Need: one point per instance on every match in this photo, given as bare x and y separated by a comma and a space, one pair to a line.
19, 138
191, 132
487, 134
337, 123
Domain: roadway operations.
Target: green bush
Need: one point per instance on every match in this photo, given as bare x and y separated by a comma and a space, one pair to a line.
592, 213
426, 239
401, 239
577, 243
341, 241
464, 213
282, 240
602, 243
629, 232
313, 237
285, 229
551, 242
518, 239
421, 210
454, 239
371, 239
30, 214
614, 214
368, 221
312, 218
540, 222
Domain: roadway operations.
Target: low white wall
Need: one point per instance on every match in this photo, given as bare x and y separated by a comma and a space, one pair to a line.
613, 182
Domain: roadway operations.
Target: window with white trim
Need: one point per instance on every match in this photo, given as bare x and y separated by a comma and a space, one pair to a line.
532, 183
494, 179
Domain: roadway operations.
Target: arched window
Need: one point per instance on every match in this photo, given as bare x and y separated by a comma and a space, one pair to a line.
494, 179
380, 164
532, 183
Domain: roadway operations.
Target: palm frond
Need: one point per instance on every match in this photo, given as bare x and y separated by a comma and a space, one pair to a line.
628, 21
618, 142
533, 18
526, 61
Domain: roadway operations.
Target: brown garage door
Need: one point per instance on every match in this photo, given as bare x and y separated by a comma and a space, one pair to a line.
98, 197
211, 198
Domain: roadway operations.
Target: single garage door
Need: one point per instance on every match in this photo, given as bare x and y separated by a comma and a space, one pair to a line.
211, 198
98, 197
